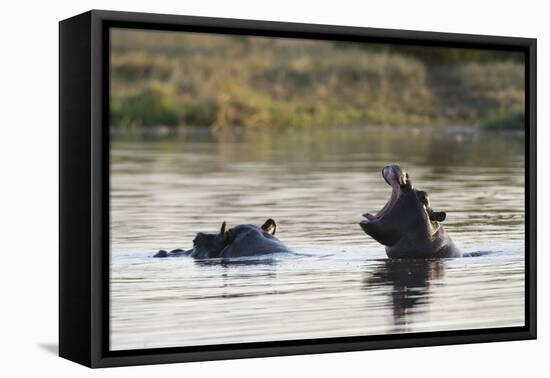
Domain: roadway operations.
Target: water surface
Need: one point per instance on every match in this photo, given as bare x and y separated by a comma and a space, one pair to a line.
315, 184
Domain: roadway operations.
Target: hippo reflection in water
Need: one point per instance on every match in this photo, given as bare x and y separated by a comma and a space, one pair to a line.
410, 283
240, 241
407, 225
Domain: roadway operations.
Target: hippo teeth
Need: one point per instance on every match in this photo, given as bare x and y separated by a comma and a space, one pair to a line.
369, 216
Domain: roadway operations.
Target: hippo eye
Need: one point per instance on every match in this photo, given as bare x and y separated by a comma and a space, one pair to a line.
423, 197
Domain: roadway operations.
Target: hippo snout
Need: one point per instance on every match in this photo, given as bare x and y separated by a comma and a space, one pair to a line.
161, 253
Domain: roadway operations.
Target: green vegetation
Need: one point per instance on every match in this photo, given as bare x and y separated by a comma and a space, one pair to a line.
162, 78
511, 120
153, 105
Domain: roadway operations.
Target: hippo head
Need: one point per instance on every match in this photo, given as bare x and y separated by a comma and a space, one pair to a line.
222, 243
407, 216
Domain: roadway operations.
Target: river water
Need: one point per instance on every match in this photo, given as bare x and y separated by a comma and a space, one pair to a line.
165, 187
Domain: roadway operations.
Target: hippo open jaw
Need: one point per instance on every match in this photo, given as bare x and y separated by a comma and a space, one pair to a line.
387, 207
395, 180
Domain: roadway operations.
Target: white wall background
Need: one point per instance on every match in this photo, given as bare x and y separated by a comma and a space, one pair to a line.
29, 186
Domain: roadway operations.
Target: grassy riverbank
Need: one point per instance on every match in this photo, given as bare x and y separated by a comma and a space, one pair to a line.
171, 79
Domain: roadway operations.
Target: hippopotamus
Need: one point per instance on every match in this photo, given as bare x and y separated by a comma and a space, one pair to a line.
407, 225
241, 241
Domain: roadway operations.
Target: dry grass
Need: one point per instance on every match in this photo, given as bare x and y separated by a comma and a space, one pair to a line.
223, 81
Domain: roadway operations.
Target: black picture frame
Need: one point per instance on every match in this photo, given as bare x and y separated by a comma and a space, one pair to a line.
84, 188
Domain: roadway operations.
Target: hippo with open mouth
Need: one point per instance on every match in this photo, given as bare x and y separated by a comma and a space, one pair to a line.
407, 225
240, 241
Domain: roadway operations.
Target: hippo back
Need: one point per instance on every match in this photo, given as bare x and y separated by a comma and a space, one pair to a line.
250, 240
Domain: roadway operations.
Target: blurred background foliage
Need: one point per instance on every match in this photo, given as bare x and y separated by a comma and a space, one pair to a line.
220, 81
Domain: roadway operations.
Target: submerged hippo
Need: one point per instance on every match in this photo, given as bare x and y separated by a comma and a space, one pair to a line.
407, 225
239, 241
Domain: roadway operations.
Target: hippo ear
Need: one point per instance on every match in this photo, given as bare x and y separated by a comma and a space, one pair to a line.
270, 226
438, 216
227, 236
